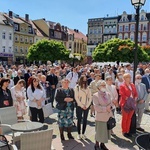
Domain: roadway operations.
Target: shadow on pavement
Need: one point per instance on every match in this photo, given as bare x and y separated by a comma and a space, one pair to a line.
124, 143
49, 120
78, 145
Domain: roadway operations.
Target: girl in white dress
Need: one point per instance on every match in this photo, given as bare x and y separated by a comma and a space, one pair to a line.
19, 97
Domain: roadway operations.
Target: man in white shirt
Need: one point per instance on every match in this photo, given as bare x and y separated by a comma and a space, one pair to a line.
72, 76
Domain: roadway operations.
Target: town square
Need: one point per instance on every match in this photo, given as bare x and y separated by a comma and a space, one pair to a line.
75, 75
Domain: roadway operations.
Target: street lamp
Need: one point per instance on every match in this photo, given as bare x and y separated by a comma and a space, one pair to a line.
137, 5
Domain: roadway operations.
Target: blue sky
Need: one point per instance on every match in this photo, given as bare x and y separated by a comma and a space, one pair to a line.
71, 13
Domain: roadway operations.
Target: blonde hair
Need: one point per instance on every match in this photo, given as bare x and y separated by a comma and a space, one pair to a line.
126, 75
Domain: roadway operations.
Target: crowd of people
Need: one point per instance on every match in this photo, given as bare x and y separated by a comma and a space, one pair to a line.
84, 88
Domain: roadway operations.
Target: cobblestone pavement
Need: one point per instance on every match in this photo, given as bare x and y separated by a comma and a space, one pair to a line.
117, 142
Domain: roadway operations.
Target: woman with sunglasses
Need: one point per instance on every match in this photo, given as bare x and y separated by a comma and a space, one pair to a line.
83, 99
36, 95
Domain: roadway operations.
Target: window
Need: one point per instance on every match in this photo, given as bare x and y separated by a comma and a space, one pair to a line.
114, 29
3, 48
26, 49
132, 28
120, 36
16, 38
126, 28
132, 37
139, 27
91, 31
21, 28
99, 31
16, 26
21, 39
142, 18
124, 19
120, 28
31, 40
30, 30
95, 31
26, 39
3, 35
126, 36
10, 49
144, 27
144, 38
10, 36
70, 45
70, 37
106, 29
21, 49
16, 48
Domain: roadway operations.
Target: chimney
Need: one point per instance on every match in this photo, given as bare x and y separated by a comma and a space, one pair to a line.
27, 17
10, 14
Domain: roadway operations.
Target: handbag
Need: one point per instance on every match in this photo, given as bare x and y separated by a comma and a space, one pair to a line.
111, 123
61, 106
129, 105
47, 110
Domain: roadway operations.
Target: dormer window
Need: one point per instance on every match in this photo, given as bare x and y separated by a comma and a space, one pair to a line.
124, 19
142, 18
30, 30
16, 27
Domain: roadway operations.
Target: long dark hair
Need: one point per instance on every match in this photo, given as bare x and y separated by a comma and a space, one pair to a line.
32, 86
4, 80
83, 84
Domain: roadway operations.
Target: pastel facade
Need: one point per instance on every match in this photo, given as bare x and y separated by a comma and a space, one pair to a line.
6, 41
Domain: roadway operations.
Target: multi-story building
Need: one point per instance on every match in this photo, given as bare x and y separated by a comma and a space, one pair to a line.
127, 25
95, 34
6, 41
23, 35
122, 26
110, 25
53, 30
77, 42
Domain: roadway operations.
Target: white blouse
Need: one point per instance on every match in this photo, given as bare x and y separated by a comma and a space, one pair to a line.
37, 94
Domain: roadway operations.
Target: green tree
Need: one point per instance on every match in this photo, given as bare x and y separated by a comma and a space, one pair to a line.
45, 50
118, 50
146, 49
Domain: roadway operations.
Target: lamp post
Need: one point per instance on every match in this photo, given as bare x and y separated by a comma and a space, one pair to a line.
137, 5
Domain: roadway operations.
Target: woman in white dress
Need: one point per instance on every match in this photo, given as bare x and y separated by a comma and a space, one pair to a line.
19, 96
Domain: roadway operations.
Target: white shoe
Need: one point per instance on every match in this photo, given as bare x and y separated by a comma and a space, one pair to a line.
84, 137
79, 137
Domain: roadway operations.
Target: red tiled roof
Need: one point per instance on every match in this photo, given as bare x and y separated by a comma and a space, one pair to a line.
77, 35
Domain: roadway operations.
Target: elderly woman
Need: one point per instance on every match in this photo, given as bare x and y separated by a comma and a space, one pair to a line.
5, 94
65, 97
102, 106
127, 90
